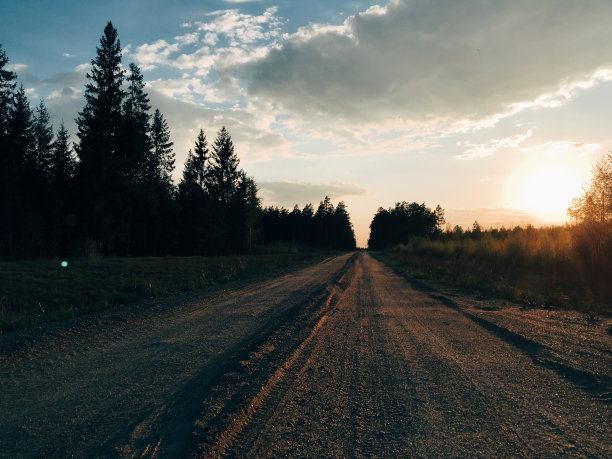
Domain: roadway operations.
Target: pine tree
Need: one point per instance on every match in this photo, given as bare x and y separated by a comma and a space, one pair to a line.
99, 125
135, 144
21, 152
344, 237
199, 159
161, 165
23, 225
7, 162
62, 163
7, 89
222, 178
61, 220
43, 140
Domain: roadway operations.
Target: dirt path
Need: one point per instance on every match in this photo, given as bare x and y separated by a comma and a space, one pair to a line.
340, 359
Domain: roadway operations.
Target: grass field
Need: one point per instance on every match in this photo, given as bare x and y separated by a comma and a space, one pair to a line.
535, 267
34, 292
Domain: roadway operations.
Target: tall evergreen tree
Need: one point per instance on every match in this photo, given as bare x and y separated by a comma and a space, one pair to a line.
223, 172
202, 229
135, 202
161, 164
98, 131
7, 89
62, 163
135, 144
7, 173
23, 226
43, 140
158, 201
62, 221
199, 160
21, 148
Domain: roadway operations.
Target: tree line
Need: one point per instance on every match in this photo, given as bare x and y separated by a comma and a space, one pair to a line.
397, 225
327, 227
111, 192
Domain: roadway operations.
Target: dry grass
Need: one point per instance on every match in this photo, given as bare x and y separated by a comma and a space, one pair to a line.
534, 266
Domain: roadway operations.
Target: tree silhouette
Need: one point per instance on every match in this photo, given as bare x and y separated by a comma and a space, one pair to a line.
327, 228
398, 224
99, 125
42, 131
161, 163
222, 178
62, 219
7, 89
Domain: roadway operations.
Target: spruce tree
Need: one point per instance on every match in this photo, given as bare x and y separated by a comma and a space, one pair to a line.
199, 159
135, 144
99, 125
21, 148
43, 140
222, 178
62, 221
7, 89
161, 165
7, 174
23, 225
62, 163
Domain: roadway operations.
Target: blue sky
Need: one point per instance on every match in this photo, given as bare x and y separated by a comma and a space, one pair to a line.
496, 110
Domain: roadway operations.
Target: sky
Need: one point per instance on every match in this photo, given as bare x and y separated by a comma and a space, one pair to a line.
494, 109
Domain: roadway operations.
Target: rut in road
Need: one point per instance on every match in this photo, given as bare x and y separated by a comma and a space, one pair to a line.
343, 358
389, 371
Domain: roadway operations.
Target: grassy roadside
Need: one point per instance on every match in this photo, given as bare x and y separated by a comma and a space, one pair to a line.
520, 284
35, 292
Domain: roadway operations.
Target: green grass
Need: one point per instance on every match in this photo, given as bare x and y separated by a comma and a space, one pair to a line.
34, 292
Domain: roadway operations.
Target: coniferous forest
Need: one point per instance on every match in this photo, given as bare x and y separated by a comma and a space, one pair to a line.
108, 189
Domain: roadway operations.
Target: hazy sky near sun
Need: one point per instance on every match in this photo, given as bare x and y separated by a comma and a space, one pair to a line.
496, 110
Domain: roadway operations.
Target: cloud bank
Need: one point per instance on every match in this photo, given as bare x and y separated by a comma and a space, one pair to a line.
422, 60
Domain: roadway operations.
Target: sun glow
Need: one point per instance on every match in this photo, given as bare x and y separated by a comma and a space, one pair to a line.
549, 191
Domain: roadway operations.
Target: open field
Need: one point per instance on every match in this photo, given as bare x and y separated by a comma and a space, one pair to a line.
342, 358
39, 291
537, 267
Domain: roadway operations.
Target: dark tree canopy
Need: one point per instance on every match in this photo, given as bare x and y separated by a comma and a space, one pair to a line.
398, 224
328, 227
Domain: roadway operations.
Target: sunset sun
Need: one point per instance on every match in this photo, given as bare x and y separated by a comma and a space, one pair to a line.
550, 190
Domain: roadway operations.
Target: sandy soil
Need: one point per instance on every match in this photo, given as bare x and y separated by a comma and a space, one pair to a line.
343, 358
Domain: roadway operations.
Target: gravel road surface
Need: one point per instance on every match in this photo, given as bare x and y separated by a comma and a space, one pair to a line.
343, 359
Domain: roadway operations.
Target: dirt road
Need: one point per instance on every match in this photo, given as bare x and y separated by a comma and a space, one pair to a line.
343, 358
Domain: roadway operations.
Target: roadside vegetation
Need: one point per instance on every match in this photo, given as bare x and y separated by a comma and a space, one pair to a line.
33, 292
566, 266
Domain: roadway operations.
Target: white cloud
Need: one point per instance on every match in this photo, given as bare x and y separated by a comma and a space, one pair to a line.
491, 147
188, 38
18, 68
149, 56
450, 59
240, 28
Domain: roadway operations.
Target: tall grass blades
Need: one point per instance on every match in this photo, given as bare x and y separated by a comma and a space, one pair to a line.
537, 265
